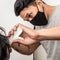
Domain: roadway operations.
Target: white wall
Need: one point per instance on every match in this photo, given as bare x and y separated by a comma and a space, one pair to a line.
8, 20
52, 2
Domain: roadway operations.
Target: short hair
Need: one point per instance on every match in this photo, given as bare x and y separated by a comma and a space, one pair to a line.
4, 44
20, 5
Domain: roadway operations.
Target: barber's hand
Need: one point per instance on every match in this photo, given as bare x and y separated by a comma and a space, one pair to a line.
29, 35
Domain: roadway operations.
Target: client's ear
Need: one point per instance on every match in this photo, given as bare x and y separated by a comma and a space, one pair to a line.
39, 4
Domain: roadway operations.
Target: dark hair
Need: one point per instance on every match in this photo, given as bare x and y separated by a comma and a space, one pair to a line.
20, 5
4, 45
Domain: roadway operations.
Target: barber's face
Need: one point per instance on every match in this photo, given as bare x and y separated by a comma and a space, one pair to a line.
34, 14
28, 13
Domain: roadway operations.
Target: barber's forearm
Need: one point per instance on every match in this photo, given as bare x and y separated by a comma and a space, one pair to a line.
26, 50
51, 33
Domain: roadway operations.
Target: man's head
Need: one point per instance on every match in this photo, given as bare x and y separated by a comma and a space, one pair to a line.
26, 7
28, 10
4, 46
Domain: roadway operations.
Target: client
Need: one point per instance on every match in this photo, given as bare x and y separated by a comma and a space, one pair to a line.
5, 48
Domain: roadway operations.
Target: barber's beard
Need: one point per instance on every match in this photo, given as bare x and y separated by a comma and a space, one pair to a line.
39, 19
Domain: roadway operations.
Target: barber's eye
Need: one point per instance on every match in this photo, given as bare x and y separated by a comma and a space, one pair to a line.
28, 16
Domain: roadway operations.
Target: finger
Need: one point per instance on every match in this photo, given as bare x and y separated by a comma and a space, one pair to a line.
9, 34
12, 32
17, 25
21, 41
15, 28
18, 41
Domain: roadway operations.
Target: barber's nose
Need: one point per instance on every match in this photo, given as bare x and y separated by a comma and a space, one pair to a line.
30, 19
27, 19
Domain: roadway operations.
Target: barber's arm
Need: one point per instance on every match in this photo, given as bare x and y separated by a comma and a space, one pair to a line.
49, 34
